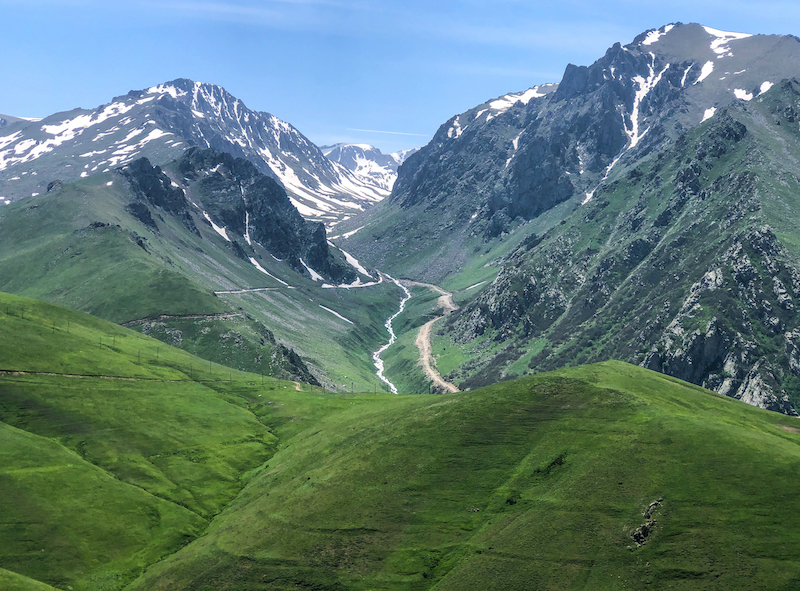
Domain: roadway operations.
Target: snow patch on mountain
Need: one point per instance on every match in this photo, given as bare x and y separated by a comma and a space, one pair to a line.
705, 72
167, 89
6, 141
645, 86
455, 131
655, 35
314, 275
355, 285
720, 44
218, 229
355, 264
347, 234
263, 270
335, 313
507, 101
247, 225
685, 74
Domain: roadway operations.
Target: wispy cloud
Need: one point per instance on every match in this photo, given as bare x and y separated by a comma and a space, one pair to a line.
387, 132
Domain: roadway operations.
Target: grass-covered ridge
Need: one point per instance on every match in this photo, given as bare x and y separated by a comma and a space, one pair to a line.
532, 483
116, 449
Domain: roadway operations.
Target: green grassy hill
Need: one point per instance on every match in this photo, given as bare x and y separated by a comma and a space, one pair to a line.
531, 484
116, 450
180, 480
80, 246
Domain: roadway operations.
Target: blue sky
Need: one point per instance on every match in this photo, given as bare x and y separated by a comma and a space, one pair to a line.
365, 71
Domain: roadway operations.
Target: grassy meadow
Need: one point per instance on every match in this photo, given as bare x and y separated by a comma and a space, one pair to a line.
126, 466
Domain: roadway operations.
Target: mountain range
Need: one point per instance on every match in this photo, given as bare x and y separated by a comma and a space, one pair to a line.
616, 208
574, 221
205, 316
160, 123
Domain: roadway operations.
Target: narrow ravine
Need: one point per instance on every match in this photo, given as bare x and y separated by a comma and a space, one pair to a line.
376, 356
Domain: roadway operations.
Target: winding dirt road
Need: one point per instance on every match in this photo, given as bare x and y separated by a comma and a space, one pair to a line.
423, 340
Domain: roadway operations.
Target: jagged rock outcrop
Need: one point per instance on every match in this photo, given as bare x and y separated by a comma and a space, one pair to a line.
672, 267
255, 207
151, 187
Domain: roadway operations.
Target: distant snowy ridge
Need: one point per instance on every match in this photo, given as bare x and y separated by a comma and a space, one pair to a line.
160, 123
368, 162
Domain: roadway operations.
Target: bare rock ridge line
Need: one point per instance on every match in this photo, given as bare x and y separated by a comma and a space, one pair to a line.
423, 340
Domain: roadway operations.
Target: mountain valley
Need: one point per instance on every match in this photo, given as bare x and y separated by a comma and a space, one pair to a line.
556, 347
689, 179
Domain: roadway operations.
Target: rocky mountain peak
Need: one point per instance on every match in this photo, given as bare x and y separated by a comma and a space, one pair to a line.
239, 198
159, 123
368, 162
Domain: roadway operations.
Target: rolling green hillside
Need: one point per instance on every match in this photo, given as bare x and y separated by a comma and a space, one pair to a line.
114, 452
119, 451
538, 483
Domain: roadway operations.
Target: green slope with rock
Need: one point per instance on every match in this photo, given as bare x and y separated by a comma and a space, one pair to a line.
594, 477
206, 254
685, 265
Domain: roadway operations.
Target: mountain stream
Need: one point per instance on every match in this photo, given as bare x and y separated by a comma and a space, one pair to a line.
376, 356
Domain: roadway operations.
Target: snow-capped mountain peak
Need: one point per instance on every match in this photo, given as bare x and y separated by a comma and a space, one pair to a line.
160, 123
368, 162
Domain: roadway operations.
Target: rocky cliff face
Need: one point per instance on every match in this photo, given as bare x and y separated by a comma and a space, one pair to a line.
509, 160
725, 355
685, 266
212, 187
253, 206
152, 187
